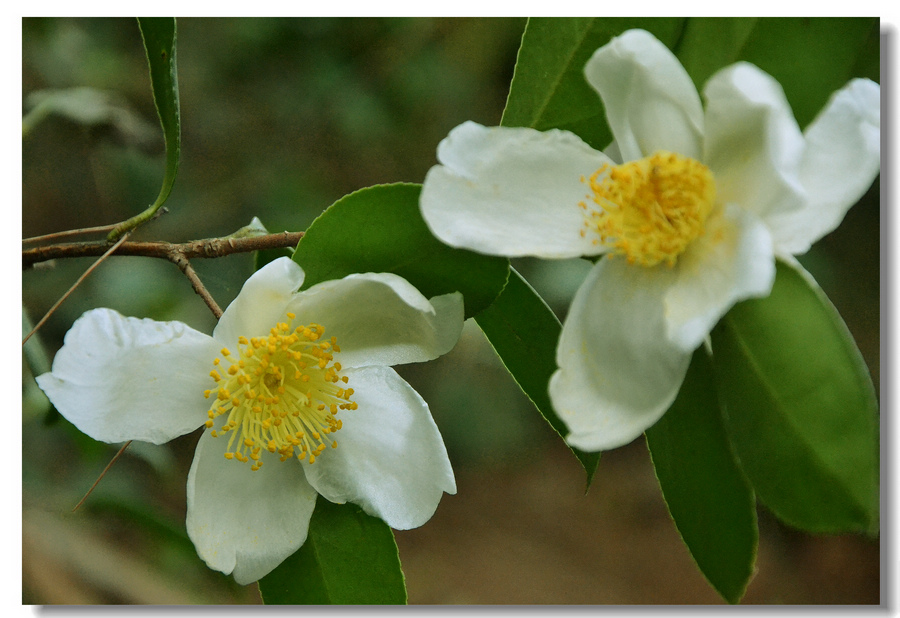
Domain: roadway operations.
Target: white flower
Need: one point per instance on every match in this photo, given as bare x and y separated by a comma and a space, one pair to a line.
692, 205
298, 398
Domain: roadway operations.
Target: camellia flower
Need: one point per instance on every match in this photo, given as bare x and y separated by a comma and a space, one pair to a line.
297, 396
691, 204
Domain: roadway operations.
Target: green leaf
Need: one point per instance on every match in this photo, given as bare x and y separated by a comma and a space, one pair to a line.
349, 558
548, 88
707, 494
159, 35
800, 407
524, 332
380, 229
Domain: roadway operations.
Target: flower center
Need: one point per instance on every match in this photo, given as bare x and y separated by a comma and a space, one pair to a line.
651, 209
279, 394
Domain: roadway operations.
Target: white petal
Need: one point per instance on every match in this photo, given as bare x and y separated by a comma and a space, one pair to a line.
261, 302
753, 143
390, 458
842, 158
246, 521
510, 191
381, 319
732, 261
618, 371
118, 378
651, 103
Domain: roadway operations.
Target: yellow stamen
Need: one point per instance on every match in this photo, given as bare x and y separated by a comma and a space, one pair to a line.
651, 209
271, 401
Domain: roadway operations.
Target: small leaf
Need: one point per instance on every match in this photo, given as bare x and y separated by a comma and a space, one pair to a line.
800, 406
159, 35
252, 230
349, 558
524, 332
707, 494
380, 229
548, 88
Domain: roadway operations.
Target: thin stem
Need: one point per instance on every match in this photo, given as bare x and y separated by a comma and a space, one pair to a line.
137, 220
84, 230
75, 285
102, 474
67, 233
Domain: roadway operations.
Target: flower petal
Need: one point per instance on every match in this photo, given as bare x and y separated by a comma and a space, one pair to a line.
119, 378
732, 261
651, 102
381, 319
753, 144
842, 158
510, 191
261, 302
618, 372
245, 521
390, 458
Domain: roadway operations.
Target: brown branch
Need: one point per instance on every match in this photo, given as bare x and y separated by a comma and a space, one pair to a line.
177, 253
182, 262
207, 248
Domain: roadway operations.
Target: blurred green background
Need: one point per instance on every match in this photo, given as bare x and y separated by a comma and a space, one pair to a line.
280, 118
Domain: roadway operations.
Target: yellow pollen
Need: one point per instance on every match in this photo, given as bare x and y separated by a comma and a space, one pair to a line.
282, 400
651, 209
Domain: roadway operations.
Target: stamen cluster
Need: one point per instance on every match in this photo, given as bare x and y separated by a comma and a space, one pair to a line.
651, 209
279, 394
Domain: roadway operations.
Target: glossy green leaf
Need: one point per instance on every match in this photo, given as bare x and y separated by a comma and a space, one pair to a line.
708, 496
349, 558
524, 331
548, 88
159, 35
800, 407
380, 229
